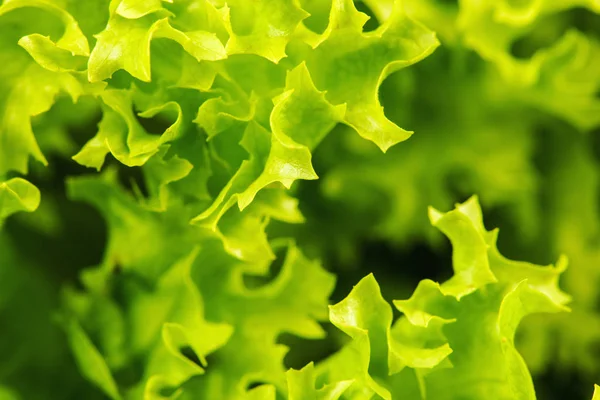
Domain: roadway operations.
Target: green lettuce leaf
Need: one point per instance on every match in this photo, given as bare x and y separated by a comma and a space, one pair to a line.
350, 65
35, 74
137, 235
221, 107
123, 136
262, 27
125, 44
458, 336
293, 301
301, 386
17, 195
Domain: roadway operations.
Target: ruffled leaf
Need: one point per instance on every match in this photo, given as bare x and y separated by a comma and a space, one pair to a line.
366, 317
302, 113
459, 343
262, 27
301, 386
125, 44
292, 302
271, 160
351, 65
123, 136
29, 89
464, 228
177, 306
136, 238
133, 9
17, 195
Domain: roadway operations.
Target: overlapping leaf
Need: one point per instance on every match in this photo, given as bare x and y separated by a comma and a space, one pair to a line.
35, 73
457, 336
220, 105
292, 302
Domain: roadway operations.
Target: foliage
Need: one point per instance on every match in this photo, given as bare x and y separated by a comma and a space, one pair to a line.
154, 242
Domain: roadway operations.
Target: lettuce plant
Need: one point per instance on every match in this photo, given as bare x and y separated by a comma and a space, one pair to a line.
155, 242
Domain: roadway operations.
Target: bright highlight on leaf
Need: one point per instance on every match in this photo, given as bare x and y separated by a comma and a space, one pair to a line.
596, 392
17, 195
